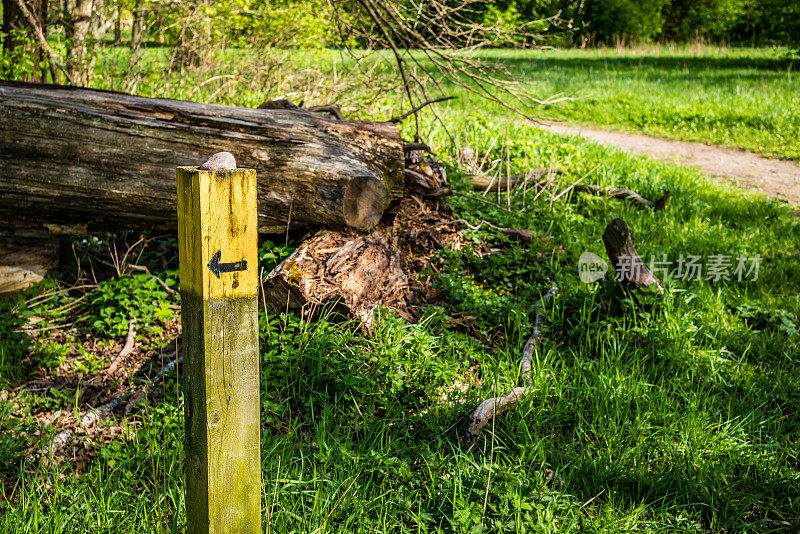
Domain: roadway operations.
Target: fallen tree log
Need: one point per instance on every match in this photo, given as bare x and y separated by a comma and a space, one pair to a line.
25, 261
78, 160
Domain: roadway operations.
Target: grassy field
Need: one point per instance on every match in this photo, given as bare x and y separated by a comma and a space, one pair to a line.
743, 98
647, 414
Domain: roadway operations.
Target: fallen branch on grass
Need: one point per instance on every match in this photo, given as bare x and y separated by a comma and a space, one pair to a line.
623, 194
90, 418
489, 408
126, 349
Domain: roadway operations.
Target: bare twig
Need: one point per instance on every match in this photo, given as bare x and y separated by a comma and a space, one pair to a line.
415, 109
143, 268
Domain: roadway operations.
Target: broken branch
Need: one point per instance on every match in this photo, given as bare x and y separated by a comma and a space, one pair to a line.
489, 408
126, 349
623, 194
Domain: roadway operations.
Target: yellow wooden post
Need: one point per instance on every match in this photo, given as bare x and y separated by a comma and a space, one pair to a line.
217, 242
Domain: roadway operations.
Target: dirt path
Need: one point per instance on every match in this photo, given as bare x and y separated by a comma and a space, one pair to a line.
776, 178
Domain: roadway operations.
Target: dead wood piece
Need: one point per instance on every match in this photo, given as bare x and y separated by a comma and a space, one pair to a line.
482, 182
25, 261
494, 406
126, 349
358, 272
331, 109
489, 408
89, 161
424, 172
280, 103
631, 270
411, 147
623, 194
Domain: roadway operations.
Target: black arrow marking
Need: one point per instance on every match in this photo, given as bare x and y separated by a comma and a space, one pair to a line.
230, 267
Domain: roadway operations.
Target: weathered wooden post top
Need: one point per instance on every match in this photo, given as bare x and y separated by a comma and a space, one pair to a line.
217, 241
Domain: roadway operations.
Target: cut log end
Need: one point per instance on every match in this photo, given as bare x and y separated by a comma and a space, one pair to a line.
364, 202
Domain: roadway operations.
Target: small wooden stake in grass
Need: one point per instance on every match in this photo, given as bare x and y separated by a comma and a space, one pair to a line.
217, 241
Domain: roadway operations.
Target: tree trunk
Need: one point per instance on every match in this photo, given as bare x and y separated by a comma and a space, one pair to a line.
77, 160
14, 19
138, 25
79, 64
118, 29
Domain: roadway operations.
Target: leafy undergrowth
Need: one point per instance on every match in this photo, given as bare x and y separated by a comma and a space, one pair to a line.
647, 414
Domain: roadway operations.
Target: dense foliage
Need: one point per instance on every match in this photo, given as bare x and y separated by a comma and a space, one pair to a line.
613, 21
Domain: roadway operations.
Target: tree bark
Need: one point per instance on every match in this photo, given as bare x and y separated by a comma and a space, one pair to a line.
77, 160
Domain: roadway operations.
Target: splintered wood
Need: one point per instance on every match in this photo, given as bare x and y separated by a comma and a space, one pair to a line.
359, 272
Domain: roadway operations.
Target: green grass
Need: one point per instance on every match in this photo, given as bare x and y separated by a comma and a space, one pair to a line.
675, 414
